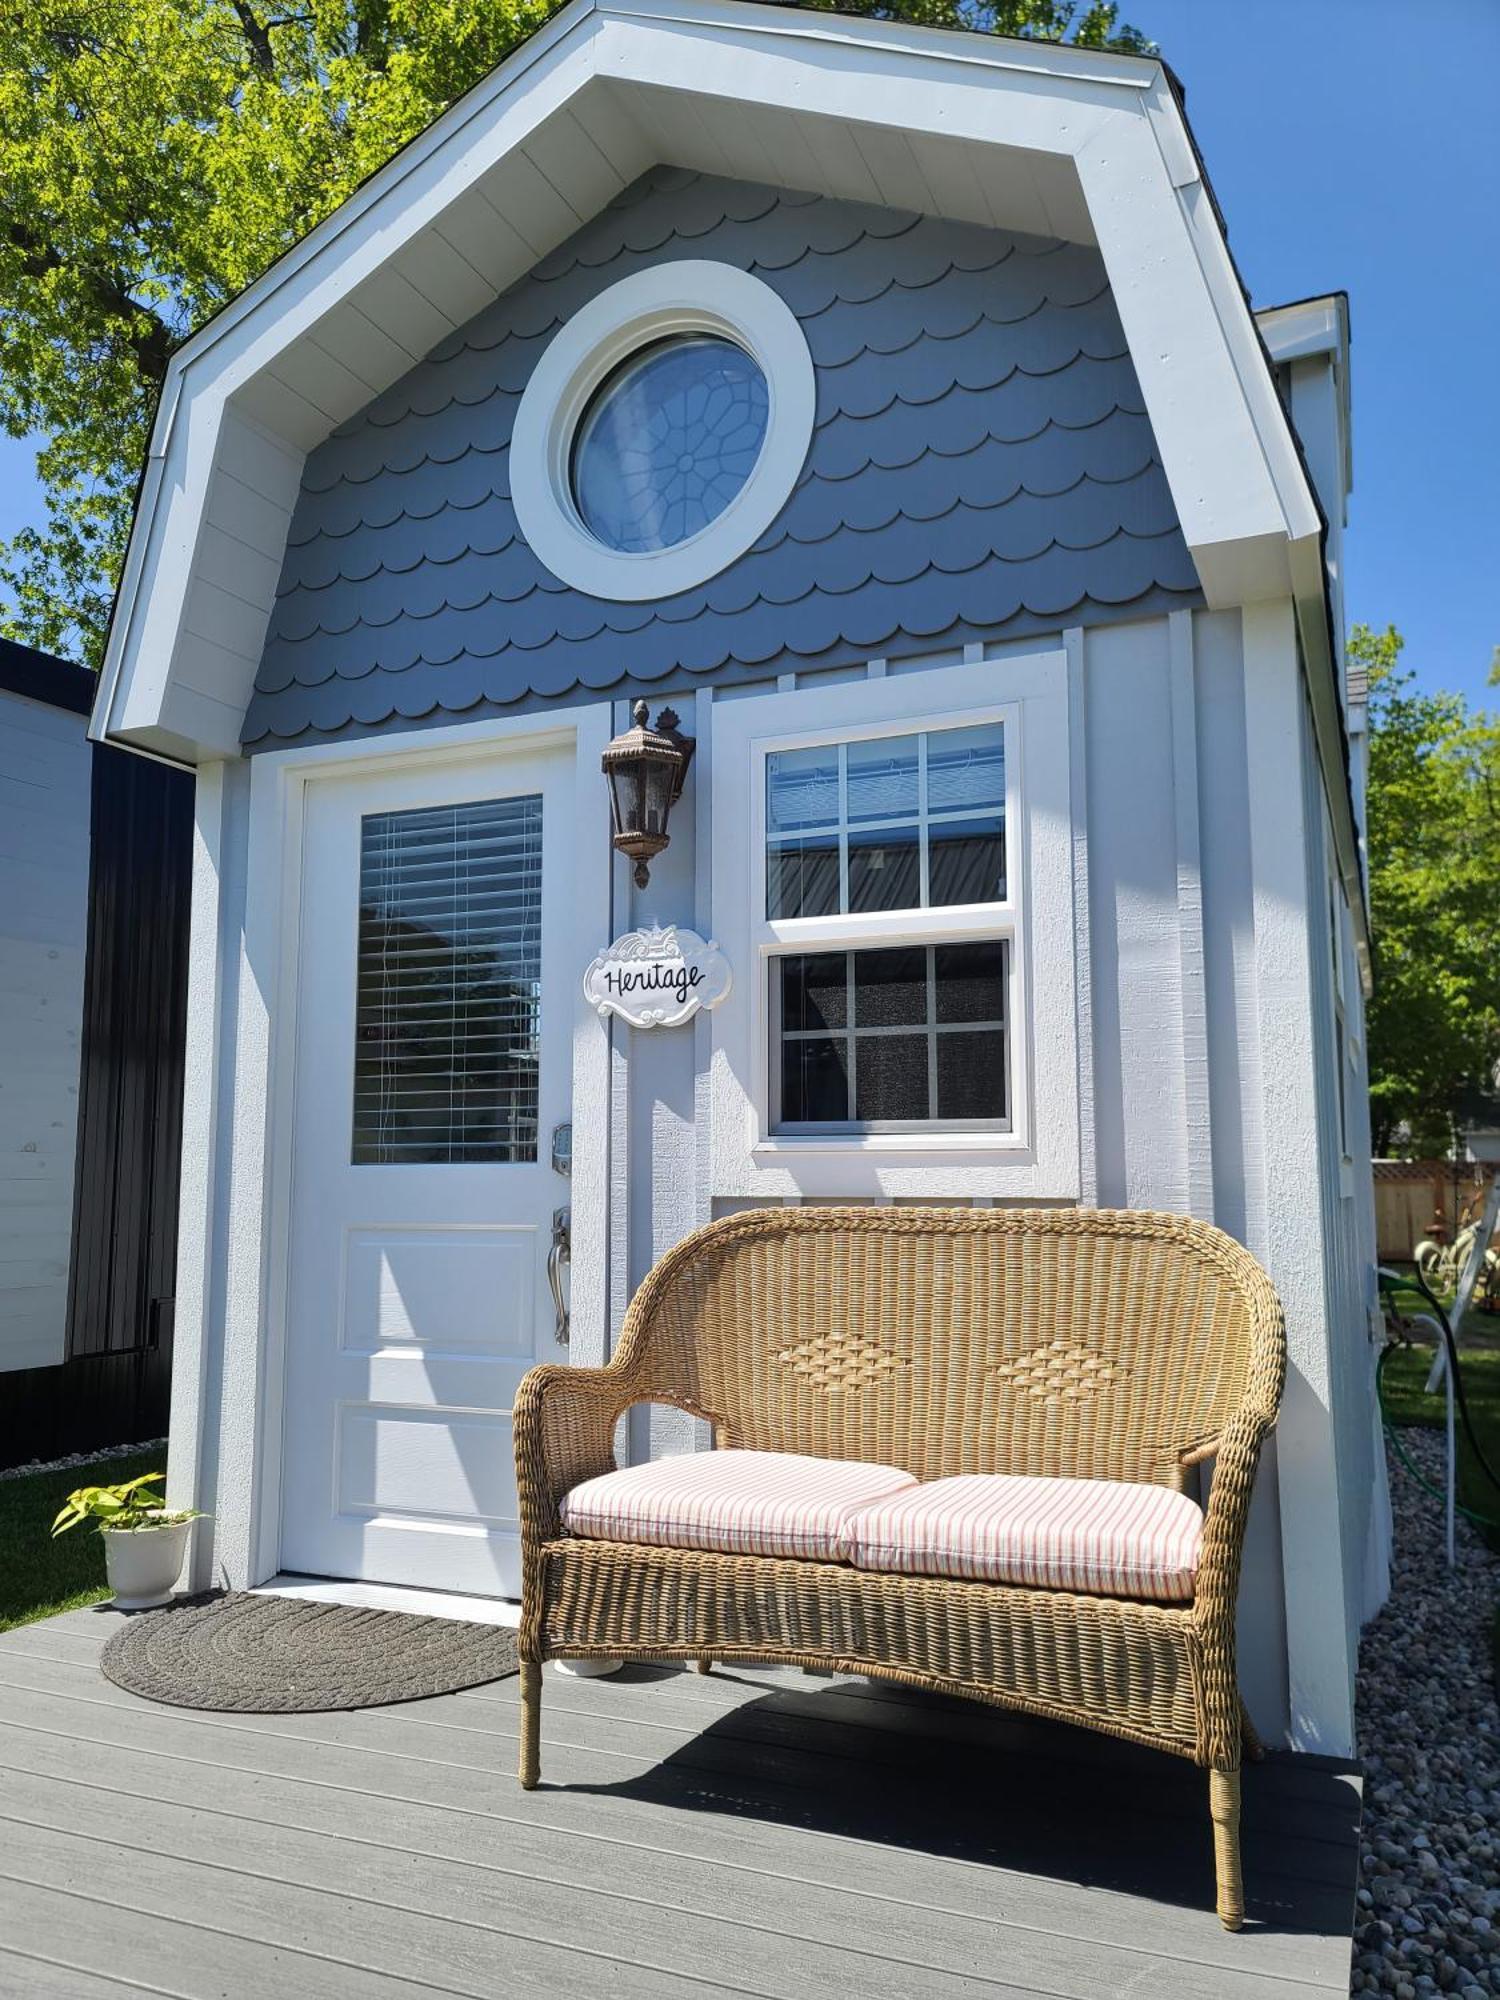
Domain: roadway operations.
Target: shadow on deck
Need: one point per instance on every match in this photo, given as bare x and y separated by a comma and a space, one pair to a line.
758, 1832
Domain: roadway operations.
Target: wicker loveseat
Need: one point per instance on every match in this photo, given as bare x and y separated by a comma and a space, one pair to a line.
1103, 1345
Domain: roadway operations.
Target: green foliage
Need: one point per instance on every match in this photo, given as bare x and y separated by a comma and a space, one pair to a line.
157, 155
41, 1576
1434, 844
1404, 1399
127, 1505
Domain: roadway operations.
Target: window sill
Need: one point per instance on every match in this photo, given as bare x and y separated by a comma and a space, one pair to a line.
917, 1145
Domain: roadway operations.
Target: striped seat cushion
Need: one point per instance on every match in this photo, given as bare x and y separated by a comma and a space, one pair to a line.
1105, 1537
753, 1503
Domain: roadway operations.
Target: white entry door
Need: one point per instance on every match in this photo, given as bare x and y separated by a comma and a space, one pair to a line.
433, 1064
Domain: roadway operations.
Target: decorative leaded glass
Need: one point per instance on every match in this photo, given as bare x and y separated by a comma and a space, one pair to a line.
668, 441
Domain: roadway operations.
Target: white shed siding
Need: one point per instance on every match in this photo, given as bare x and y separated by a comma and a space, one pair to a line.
45, 764
1167, 940
1348, 1227
1200, 1022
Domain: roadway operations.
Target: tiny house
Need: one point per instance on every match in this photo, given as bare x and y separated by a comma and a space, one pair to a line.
883, 405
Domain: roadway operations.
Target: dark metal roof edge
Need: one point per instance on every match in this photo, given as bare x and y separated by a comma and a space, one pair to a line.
43, 677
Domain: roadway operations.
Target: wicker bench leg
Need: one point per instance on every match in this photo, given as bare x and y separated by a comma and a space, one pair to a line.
704, 1663
531, 1724
1224, 1806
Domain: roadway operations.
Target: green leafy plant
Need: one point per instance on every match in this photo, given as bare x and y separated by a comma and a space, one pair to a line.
1434, 844
129, 1506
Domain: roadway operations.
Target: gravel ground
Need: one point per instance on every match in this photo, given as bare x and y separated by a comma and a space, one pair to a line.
82, 1458
1429, 1734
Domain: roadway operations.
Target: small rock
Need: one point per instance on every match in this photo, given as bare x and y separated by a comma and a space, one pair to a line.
1429, 1727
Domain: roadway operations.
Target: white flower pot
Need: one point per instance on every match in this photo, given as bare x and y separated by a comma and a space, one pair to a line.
142, 1564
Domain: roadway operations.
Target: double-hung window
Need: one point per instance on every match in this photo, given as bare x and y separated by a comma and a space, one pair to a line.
879, 849
888, 930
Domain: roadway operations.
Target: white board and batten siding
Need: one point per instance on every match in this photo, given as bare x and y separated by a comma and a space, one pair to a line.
45, 765
1183, 986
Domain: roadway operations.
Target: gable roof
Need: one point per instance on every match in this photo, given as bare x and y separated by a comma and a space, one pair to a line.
1081, 144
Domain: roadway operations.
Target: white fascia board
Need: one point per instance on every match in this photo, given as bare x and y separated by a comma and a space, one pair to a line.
1240, 491
905, 41
1314, 632
1310, 326
1304, 330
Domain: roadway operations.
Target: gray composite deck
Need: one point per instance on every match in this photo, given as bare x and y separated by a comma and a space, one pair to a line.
758, 1832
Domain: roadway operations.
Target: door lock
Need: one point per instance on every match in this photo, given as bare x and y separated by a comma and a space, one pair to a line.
561, 1253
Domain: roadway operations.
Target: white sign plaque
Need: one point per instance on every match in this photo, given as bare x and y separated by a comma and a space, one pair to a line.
657, 978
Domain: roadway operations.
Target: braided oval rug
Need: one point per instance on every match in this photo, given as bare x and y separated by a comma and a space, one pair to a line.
238, 1650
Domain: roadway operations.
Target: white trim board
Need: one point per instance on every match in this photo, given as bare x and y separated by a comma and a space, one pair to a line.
394, 1597
1065, 141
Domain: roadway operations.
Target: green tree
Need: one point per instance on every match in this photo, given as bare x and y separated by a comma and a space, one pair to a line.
1434, 847
157, 155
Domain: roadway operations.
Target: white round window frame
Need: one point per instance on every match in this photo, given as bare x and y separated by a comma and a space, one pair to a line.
693, 296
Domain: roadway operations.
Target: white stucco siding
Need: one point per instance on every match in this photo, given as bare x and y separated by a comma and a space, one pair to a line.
45, 766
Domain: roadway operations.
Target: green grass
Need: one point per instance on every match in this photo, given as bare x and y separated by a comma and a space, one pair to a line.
1405, 1403
1478, 1325
40, 1577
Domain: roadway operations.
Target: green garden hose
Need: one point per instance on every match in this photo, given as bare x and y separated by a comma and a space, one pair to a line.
1393, 1433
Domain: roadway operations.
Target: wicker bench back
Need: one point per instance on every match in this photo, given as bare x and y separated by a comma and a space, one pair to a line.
1090, 1343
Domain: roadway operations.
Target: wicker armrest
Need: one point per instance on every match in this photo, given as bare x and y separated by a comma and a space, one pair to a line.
564, 1420
1229, 1510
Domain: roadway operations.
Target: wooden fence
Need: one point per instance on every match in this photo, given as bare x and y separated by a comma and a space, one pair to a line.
1412, 1196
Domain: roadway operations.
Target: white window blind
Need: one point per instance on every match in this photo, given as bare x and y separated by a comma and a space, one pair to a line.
448, 1002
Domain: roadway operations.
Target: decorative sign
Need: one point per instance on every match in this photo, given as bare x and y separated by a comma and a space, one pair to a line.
657, 978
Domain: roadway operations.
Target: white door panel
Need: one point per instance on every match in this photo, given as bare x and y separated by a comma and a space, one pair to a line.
433, 1061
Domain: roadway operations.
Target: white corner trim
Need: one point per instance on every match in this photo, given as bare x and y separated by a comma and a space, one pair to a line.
189, 1460
690, 295
1289, 1235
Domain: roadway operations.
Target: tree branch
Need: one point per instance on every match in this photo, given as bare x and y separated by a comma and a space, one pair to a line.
150, 338
257, 37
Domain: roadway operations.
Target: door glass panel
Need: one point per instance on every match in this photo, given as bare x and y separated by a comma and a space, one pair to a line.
449, 984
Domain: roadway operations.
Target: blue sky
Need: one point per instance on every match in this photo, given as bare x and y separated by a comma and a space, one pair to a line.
1352, 145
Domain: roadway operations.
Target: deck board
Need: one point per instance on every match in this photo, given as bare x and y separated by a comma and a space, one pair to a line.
758, 1832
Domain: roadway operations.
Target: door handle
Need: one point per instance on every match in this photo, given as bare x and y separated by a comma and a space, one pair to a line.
561, 1253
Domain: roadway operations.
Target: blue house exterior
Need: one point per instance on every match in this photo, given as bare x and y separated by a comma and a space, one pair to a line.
884, 405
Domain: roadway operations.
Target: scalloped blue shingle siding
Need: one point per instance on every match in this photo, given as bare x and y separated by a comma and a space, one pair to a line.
982, 465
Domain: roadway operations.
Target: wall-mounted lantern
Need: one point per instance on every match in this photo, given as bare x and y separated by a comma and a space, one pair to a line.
645, 768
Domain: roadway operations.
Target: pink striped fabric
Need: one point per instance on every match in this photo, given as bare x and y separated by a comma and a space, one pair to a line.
751, 1503
1106, 1537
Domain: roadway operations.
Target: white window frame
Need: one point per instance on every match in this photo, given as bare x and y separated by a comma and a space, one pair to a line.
687, 296
1035, 1153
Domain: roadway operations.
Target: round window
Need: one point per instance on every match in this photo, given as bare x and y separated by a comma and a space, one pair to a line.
667, 441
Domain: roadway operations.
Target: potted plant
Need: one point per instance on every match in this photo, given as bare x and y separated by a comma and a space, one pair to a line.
144, 1544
